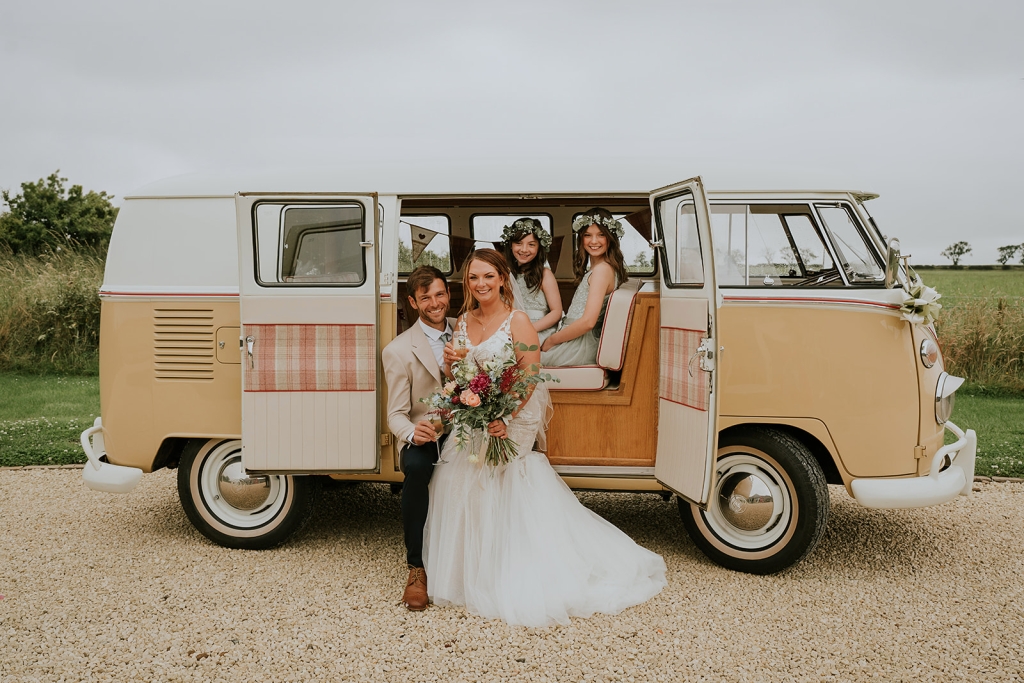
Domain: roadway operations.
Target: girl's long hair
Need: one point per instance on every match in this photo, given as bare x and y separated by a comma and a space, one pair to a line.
491, 258
613, 255
532, 272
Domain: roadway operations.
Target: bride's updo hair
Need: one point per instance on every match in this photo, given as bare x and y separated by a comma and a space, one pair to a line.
497, 261
581, 261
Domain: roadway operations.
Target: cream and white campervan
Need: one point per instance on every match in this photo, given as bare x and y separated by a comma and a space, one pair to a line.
757, 355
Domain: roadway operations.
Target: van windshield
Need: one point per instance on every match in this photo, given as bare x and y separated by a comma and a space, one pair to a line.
852, 247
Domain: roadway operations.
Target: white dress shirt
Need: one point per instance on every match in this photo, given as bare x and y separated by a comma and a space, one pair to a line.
434, 337
436, 345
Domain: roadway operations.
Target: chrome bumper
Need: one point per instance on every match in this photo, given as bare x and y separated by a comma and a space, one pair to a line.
100, 475
934, 488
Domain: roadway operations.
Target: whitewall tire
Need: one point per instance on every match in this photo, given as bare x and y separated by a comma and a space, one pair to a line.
769, 506
233, 509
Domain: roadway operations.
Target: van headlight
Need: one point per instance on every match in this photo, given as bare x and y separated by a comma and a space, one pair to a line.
945, 393
929, 352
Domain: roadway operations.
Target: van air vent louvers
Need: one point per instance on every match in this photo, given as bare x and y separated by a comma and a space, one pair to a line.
183, 346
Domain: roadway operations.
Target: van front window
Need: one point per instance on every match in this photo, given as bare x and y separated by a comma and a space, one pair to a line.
852, 247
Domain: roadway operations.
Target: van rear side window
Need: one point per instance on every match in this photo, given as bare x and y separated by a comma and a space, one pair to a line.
310, 244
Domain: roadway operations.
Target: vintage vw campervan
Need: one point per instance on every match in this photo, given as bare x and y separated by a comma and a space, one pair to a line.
757, 355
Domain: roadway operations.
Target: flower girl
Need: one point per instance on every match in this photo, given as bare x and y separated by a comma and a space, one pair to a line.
525, 245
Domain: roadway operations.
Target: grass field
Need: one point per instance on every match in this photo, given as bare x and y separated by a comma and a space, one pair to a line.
981, 327
956, 285
41, 418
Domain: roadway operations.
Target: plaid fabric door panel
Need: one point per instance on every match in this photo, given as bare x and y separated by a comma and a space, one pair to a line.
311, 358
677, 348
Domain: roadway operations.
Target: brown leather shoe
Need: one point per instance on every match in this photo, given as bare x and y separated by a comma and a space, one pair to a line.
415, 596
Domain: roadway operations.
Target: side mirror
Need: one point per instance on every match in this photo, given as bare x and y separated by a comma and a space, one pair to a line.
892, 262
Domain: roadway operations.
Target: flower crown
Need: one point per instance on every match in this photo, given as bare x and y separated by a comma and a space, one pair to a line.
585, 221
523, 227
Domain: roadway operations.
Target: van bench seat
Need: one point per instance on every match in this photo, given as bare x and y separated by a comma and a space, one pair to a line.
578, 378
611, 351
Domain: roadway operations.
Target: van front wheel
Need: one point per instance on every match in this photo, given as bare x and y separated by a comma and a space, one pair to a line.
769, 506
235, 510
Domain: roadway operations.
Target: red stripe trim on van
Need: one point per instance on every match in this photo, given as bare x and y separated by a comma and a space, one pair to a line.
167, 294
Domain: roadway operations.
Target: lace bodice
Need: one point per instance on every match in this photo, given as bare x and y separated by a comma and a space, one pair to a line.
524, 427
534, 302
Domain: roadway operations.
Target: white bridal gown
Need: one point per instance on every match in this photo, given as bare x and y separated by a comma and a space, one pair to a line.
513, 542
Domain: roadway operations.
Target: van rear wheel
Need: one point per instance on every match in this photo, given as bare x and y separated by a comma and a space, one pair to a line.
234, 509
769, 506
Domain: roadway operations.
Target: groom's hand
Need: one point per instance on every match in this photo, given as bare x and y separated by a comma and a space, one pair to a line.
424, 433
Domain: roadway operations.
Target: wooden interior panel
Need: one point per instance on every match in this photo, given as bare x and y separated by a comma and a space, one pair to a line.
614, 427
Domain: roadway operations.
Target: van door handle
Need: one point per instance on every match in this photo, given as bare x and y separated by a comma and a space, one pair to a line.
249, 341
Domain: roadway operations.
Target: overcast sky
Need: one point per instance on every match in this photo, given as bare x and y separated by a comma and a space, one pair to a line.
922, 102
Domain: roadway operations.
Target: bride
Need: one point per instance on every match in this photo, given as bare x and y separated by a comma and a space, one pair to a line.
512, 541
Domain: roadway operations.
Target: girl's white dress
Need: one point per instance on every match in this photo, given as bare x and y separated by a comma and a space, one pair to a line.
513, 542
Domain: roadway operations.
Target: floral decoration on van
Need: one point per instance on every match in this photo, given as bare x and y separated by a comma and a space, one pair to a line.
922, 303
523, 227
583, 222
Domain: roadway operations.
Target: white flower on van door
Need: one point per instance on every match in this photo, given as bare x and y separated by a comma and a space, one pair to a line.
922, 303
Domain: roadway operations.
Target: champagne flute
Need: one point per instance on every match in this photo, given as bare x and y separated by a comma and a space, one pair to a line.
461, 343
438, 424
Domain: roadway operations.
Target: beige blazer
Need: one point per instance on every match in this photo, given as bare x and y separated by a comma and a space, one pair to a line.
411, 373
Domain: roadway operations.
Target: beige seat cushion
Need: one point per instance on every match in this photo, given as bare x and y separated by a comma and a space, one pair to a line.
578, 378
611, 352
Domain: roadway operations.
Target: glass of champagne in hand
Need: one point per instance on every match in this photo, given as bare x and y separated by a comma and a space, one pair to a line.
438, 424
459, 341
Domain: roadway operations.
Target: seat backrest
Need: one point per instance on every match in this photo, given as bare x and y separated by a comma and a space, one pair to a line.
611, 351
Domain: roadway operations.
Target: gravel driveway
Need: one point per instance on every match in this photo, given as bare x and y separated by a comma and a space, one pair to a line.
102, 587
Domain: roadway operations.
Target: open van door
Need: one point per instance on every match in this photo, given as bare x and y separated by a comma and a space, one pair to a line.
308, 295
688, 391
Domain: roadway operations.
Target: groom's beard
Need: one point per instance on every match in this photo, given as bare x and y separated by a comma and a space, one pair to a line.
433, 317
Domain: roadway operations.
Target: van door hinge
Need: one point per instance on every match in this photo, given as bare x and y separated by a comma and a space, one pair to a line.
919, 452
385, 439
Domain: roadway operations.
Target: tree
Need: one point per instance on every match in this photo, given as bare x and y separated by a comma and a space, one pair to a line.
1006, 253
46, 216
442, 262
957, 251
641, 264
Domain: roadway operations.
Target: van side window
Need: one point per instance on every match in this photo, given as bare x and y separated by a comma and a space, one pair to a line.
852, 248
770, 245
637, 251
424, 241
683, 261
310, 244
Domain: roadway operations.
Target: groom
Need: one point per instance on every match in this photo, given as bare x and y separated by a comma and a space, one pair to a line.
412, 367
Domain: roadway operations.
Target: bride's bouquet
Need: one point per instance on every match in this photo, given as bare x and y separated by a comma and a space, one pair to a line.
482, 393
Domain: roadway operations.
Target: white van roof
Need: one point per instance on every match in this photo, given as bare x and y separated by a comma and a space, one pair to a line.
420, 179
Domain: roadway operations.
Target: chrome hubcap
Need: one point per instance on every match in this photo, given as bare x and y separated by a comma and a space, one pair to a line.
751, 506
232, 496
238, 489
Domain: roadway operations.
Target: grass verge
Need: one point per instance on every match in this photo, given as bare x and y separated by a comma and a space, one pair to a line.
41, 418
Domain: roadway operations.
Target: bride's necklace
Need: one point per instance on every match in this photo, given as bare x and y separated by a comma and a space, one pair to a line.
485, 325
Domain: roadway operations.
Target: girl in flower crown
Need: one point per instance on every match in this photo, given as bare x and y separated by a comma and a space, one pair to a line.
599, 268
525, 245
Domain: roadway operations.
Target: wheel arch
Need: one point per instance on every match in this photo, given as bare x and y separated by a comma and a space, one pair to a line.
822, 453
